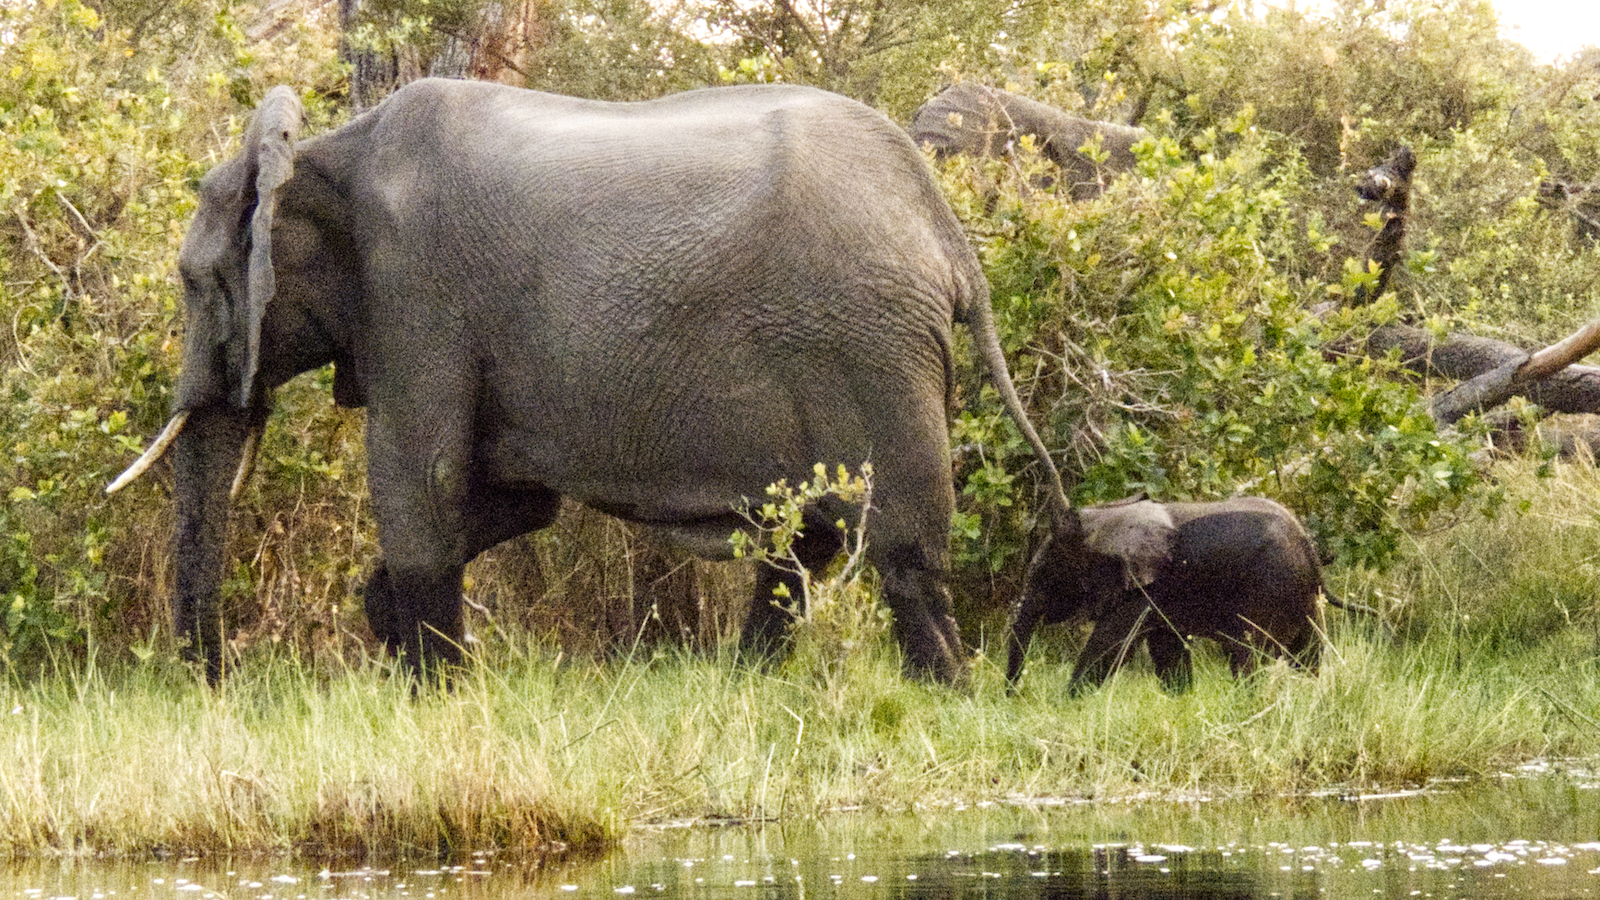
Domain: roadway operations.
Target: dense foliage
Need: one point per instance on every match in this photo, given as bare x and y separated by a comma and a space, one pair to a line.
1163, 333
1174, 354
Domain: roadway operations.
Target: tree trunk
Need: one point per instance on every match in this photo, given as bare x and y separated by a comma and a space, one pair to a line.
1515, 376
1389, 184
373, 74
1491, 372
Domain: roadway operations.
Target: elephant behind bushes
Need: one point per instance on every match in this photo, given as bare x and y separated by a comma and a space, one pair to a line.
656, 309
983, 121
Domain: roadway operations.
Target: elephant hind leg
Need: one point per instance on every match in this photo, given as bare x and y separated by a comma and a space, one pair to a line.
770, 612
1169, 652
1305, 648
914, 588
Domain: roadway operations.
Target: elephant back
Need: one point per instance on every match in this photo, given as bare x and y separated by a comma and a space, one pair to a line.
1247, 547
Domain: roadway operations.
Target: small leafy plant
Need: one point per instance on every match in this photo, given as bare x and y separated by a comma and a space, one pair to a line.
837, 612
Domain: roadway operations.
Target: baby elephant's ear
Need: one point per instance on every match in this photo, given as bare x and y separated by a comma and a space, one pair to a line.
1141, 534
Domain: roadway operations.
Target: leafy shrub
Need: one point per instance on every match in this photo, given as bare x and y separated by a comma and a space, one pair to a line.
1166, 347
839, 604
108, 129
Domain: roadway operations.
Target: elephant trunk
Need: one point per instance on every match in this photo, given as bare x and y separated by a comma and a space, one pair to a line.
205, 457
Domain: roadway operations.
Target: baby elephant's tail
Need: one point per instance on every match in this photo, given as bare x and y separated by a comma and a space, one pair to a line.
1349, 606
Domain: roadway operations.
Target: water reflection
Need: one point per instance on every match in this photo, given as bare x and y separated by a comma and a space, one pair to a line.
1526, 838
1516, 869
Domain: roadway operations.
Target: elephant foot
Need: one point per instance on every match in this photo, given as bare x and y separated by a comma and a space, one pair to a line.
915, 591
417, 618
1089, 675
941, 659
766, 629
933, 648
378, 598
1169, 652
207, 655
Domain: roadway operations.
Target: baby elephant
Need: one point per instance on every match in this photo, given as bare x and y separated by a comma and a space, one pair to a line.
1241, 571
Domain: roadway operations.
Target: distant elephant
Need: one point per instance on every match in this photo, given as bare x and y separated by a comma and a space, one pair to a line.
1241, 571
654, 308
984, 121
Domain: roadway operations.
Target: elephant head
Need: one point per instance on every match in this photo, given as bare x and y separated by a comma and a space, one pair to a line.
1094, 557
983, 121
226, 261
232, 325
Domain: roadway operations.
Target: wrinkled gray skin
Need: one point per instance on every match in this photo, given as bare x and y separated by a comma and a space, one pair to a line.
984, 121
1241, 571
654, 308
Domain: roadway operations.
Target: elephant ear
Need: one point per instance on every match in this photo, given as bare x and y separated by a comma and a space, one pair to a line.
1141, 534
269, 152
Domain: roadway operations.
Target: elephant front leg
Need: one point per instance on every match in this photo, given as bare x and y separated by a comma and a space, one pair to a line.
419, 491
1030, 612
1114, 638
493, 514
779, 594
417, 614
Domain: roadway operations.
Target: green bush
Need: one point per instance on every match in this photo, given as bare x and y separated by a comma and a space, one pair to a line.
96, 168
110, 121
1167, 347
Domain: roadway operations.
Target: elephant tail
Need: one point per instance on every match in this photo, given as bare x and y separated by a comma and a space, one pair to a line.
979, 318
1348, 605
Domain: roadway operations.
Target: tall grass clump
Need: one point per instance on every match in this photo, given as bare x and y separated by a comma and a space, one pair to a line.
142, 760
1523, 581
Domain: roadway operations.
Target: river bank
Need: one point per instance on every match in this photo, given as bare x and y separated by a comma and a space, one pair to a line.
1484, 660
532, 752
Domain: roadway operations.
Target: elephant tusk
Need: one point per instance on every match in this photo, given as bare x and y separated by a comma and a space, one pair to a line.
247, 461
157, 450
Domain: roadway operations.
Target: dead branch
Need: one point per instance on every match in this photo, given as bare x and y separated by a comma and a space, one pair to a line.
1388, 184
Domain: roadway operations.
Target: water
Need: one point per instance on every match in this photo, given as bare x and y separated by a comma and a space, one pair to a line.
1527, 837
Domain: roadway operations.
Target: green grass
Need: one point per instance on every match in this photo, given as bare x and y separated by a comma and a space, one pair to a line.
529, 751
1486, 660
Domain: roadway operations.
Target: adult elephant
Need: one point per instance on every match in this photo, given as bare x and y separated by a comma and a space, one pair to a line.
978, 120
654, 308
1241, 571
